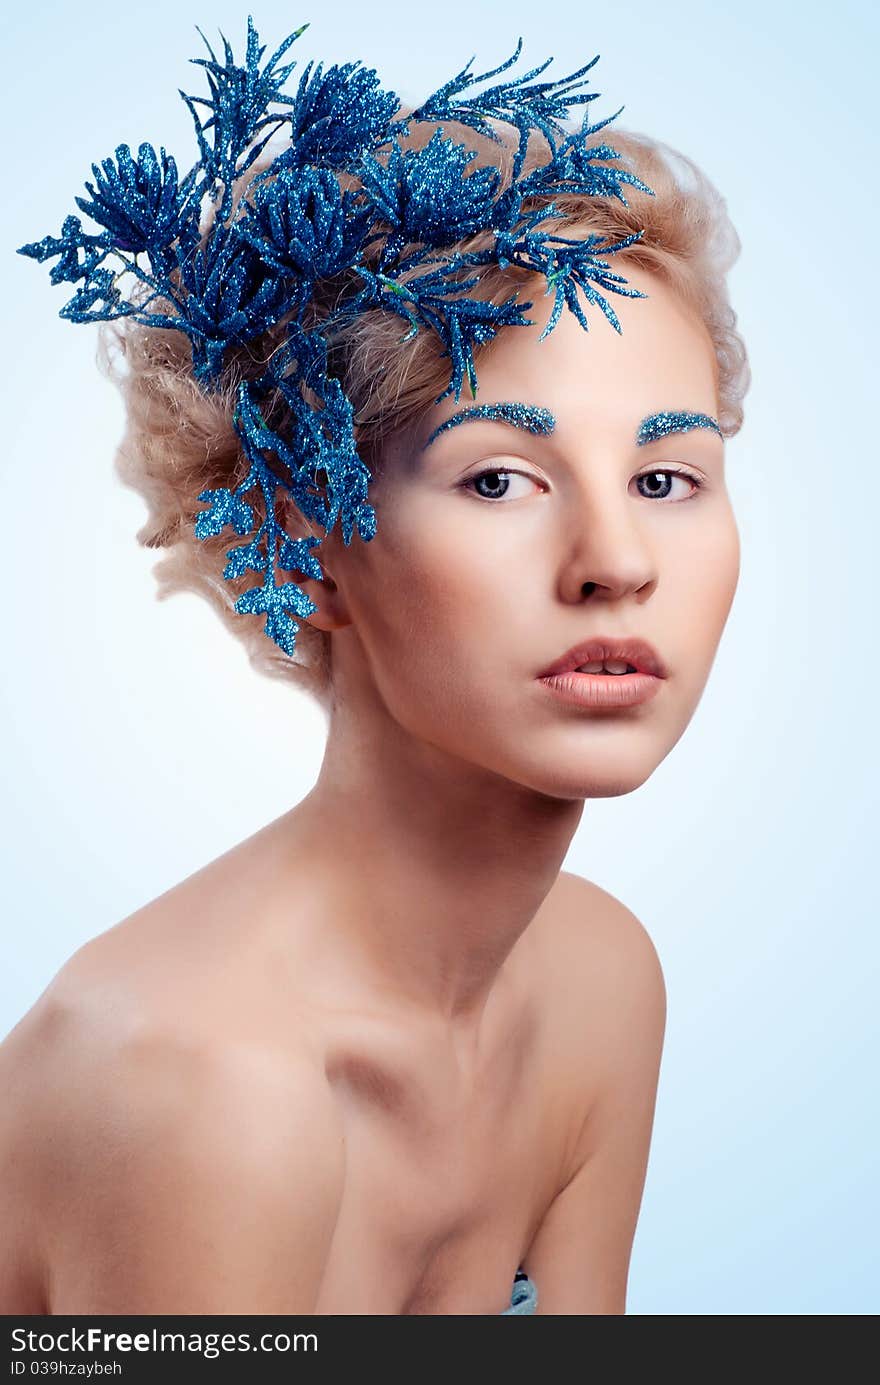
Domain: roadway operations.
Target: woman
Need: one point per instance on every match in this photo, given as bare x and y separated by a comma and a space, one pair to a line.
386, 1054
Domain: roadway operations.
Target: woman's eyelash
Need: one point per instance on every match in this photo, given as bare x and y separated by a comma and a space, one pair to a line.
691, 476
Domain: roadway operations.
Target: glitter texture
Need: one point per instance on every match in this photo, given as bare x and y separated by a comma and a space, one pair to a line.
524, 1297
262, 257
528, 416
681, 421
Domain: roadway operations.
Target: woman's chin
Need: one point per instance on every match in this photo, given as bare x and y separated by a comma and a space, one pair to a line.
596, 786
589, 768
583, 780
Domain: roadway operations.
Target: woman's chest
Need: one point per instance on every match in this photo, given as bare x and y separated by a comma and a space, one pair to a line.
440, 1202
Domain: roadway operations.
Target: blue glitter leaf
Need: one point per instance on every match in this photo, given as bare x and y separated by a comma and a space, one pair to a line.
294, 556
225, 509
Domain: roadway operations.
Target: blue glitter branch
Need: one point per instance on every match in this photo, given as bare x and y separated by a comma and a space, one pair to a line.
260, 262
542, 106
241, 95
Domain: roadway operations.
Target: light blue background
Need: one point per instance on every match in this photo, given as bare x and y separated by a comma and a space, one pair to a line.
139, 745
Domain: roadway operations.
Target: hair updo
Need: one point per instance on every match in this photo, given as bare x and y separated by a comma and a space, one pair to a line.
179, 441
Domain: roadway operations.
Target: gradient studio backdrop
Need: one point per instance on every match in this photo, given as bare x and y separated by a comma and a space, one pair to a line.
139, 745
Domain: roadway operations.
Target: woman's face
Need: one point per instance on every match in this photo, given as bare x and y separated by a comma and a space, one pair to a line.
470, 589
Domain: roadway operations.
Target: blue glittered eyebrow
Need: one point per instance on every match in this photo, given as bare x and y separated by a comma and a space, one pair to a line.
535, 419
673, 421
528, 416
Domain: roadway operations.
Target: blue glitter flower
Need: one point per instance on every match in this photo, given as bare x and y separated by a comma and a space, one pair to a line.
137, 200
339, 116
302, 224
425, 195
230, 296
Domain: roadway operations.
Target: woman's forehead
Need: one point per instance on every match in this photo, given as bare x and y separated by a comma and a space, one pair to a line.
661, 362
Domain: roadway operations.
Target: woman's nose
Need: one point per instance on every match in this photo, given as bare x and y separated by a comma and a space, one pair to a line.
606, 550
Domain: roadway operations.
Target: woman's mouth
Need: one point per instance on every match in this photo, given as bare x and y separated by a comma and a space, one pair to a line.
606, 671
613, 684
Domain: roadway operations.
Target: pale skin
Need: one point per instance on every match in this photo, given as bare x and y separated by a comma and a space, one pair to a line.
385, 1051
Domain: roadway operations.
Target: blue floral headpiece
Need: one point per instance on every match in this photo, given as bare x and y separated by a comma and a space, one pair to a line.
259, 266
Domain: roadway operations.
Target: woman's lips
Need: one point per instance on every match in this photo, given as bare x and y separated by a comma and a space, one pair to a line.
599, 649
603, 689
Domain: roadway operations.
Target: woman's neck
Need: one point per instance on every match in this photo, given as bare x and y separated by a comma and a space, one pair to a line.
427, 868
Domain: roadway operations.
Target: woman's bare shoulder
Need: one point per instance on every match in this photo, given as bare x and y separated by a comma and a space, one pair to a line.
608, 1014
190, 961
600, 930
603, 985
121, 1111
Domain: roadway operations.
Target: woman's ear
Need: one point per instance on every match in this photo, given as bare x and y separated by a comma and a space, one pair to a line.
333, 612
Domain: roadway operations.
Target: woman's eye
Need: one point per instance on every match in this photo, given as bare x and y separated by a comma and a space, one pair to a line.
658, 484
500, 484
496, 485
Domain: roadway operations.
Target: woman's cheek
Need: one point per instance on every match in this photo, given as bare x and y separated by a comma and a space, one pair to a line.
706, 588
720, 563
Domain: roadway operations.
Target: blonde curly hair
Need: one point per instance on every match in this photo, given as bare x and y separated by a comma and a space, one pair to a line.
179, 440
